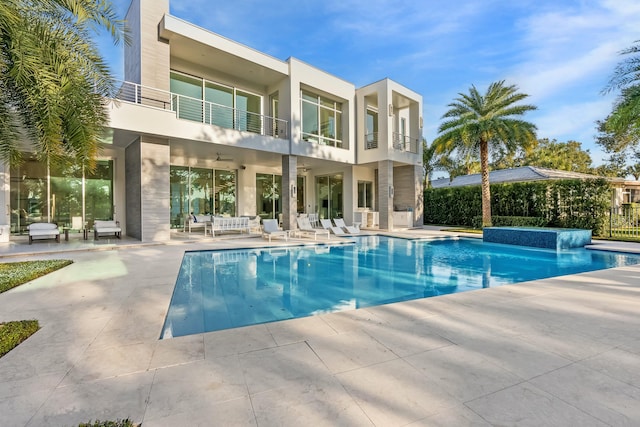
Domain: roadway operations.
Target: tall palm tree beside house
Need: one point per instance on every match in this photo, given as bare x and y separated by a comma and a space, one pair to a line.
53, 79
476, 122
625, 117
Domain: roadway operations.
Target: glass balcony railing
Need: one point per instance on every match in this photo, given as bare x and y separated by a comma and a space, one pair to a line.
197, 110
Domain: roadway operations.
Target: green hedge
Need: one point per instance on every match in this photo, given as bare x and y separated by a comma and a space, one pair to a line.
562, 203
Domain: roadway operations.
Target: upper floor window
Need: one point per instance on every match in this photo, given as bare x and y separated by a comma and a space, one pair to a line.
321, 119
197, 99
372, 129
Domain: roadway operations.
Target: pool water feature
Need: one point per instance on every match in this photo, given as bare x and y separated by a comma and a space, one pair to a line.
230, 288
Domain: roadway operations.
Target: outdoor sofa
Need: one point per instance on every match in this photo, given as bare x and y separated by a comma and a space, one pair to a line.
106, 227
43, 230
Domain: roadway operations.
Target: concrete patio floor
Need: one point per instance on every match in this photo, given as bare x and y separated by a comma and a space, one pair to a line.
554, 352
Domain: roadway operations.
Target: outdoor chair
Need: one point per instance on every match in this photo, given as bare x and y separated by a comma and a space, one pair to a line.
106, 227
270, 229
326, 224
314, 220
43, 230
304, 227
351, 229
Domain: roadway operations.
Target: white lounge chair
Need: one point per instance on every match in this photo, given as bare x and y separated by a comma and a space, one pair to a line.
270, 229
304, 226
106, 227
314, 220
326, 224
351, 229
43, 230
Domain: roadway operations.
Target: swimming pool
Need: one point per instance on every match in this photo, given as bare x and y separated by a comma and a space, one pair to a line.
230, 288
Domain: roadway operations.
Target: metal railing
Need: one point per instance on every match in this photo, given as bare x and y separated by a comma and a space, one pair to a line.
197, 110
405, 143
371, 141
400, 142
624, 222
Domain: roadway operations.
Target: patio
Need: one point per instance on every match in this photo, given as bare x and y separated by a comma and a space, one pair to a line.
555, 352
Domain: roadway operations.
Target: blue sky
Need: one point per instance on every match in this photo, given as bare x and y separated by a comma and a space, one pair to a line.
560, 52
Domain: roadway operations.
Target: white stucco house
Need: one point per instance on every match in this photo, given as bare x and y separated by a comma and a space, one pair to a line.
205, 125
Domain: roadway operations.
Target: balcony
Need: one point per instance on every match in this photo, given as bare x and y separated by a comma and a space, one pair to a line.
400, 142
197, 110
405, 143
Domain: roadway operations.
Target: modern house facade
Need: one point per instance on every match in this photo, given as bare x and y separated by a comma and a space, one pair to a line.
205, 125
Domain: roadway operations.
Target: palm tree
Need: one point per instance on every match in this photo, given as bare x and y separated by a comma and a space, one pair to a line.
625, 118
52, 78
479, 123
634, 170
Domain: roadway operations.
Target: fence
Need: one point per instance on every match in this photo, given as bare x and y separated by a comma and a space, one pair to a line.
624, 222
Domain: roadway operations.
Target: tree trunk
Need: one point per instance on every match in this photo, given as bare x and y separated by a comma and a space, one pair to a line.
486, 190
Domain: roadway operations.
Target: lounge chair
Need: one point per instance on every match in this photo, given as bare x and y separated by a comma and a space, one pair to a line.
43, 230
314, 220
351, 229
326, 224
106, 227
304, 226
270, 229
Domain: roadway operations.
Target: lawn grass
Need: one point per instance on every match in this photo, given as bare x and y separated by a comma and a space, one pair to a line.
13, 333
463, 230
13, 274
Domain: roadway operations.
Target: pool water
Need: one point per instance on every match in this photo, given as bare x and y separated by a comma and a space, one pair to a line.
230, 288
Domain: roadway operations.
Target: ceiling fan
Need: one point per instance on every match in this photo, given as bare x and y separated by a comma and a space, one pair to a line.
220, 158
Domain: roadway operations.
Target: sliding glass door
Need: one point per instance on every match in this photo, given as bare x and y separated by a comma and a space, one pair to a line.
329, 196
268, 200
202, 192
68, 196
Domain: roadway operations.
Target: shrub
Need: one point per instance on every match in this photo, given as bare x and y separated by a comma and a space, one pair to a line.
562, 203
13, 274
13, 333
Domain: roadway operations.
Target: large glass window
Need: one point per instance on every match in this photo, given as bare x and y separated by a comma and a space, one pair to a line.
300, 194
268, 200
329, 196
225, 187
201, 192
321, 119
188, 106
179, 195
372, 129
220, 110
224, 106
67, 195
365, 194
248, 109
98, 190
